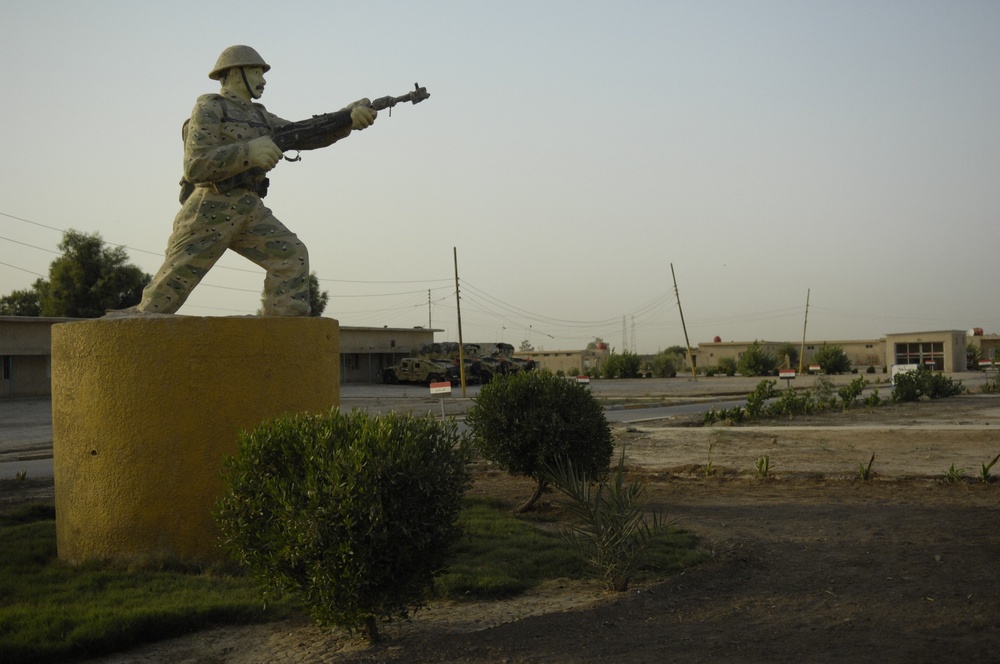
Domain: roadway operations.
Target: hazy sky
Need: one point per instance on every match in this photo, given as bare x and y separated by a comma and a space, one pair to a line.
570, 151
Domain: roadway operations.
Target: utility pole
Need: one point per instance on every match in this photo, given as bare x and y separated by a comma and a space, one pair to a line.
458, 308
429, 324
802, 349
694, 374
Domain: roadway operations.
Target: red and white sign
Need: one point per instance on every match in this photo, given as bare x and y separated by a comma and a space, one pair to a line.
583, 379
787, 374
441, 388
815, 368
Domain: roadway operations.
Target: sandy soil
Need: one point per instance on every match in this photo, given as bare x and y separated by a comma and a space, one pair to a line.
809, 565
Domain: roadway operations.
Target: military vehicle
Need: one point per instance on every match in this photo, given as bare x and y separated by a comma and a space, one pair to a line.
421, 370
483, 361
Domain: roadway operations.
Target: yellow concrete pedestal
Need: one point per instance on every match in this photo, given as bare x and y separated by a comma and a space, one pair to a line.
144, 410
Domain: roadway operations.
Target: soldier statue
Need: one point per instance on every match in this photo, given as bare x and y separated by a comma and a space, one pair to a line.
228, 150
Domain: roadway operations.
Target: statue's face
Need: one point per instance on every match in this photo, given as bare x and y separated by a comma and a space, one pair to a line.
255, 81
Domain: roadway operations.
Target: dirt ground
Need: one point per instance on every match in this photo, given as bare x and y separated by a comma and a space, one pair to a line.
809, 565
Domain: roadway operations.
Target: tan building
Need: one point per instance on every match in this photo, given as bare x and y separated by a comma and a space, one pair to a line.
365, 352
988, 345
569, 362
26, 356
941, 351
26, 353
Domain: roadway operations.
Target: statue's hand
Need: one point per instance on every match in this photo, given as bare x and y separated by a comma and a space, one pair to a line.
362, 116
263, 153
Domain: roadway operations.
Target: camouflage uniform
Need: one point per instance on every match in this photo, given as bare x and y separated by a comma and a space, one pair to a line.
223, 210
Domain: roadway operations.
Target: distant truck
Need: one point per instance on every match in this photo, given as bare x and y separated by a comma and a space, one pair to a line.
421, 370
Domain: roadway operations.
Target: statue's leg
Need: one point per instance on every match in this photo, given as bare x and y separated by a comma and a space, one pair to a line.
197, 242
267, 242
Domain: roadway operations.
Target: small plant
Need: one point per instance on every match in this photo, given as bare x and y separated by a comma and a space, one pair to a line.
757, 400
991, 386
984, 472
850, 393
21, 475
792, 403
709, 469
954, 474
612, 530
824, 391
865, 472
763, 466
873, 400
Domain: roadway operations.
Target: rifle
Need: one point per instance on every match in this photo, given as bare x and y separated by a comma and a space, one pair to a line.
320, 131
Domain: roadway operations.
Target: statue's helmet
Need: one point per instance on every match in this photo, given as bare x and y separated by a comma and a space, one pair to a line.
237, 56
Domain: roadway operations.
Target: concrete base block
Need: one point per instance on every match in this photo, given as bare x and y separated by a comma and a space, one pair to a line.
145, 409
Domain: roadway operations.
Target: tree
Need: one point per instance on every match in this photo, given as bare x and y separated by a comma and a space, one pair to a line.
832, 359
527, 421
317, 298
791, 351
87, 280
755, 361
21, 303
526, 346
664, 365
668, 362
624, 365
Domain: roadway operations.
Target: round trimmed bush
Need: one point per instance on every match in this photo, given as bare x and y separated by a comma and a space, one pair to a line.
352, 514
529, 421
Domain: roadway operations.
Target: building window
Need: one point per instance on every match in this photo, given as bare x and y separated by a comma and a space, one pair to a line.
929, 354
5, 367
351, 361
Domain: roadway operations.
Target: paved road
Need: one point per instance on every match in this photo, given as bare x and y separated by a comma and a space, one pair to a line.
26, 425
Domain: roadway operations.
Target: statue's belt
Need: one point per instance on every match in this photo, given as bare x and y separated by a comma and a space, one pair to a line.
253, 180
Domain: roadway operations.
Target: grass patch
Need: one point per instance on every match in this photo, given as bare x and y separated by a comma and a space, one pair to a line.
51, 611
503, 555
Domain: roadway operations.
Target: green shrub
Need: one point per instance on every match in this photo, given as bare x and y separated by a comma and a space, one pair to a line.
757, 400
850, 393
873, 400
526, 422
352, 514
755, 361
624, 365
911, 385
832, 359
791, 403
666, 363
727, 365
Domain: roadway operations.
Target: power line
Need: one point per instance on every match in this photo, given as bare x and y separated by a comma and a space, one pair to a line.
218, 267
